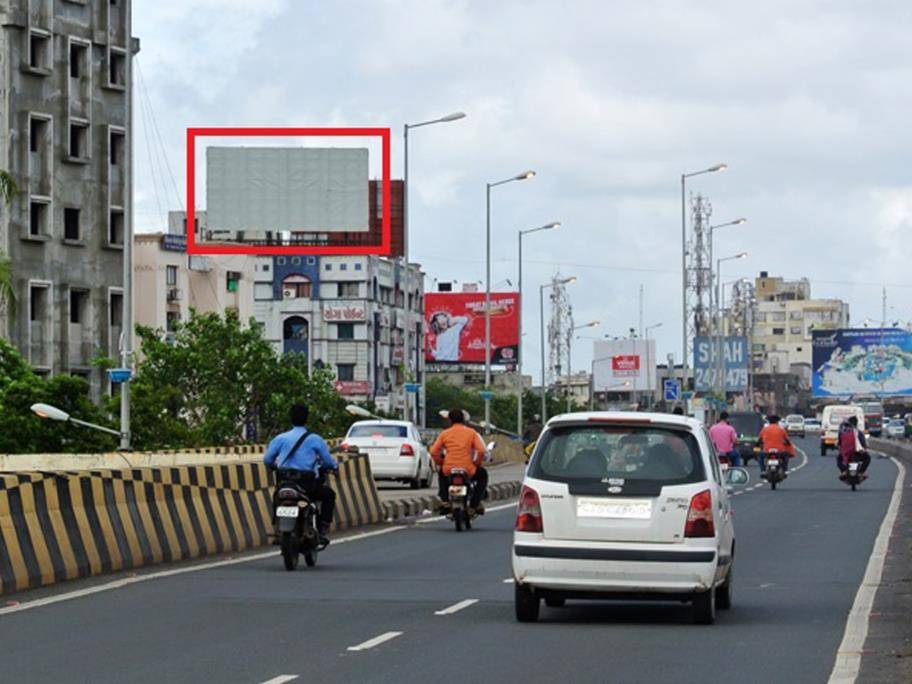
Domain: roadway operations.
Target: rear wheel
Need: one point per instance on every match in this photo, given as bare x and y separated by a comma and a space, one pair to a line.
425, 482
555, 602
310, 557
853, 486
527, 604
724, 593
773, 484
704, 607
457, 520
289, 551
468, 520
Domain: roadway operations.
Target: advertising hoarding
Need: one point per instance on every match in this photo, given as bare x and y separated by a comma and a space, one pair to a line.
455, 327
706, 352
616, 362
304, 189
862, 361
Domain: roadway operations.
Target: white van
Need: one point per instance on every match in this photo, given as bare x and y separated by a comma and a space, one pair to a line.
833, 417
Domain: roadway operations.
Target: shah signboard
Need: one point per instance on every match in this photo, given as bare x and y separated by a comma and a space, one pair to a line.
862, 361
706, 353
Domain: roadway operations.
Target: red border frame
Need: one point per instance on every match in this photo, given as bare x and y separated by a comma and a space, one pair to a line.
383, 249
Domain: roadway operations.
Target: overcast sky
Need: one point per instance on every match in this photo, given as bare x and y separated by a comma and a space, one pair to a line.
807, 102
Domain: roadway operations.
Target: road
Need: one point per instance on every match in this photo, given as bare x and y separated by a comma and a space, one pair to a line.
506, 472
802, 552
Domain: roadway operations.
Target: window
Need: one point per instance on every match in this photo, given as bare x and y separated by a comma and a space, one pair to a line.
795, 315
171, 276
70, 223
343, 267
117, 153
78, 60
357, 267
37, 134
778, 331
37, 302
265, 268
38, 212
345, 331
296, 287
376, 430
777, 316
117, 69
116, 227
116, 310
280, 261
39, 51
347, 289
795, 330
295, 261
329, 267
78, 300
345, 372
232, 281
79, 133
172, 321
311, 261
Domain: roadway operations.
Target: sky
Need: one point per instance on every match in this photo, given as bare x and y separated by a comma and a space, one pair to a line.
608, 101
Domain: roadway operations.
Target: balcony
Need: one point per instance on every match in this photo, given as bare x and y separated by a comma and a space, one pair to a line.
174, 294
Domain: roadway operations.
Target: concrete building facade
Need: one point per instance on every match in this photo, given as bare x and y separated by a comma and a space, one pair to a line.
63, 137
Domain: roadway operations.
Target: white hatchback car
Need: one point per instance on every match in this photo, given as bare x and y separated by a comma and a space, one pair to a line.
394, 450
627, 506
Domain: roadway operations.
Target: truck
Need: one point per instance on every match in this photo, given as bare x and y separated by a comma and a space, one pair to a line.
874, 417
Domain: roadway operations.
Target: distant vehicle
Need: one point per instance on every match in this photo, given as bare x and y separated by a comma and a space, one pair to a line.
394, 450
794, 425
748, 425
874, 417
812, 426
626, 506
833, 417
896, 428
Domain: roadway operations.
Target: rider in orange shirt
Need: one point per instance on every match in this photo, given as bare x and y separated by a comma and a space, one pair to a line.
774, 436
459, 446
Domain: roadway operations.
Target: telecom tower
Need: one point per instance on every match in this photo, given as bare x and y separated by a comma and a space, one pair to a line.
699, 273
561, 322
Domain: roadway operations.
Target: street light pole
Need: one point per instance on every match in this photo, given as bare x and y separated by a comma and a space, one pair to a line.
684, 177
519, 354
651, 363
406, 353
541, 310
522, 176
719, 383
590, 324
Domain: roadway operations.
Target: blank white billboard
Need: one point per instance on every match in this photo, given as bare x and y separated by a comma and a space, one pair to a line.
307, 189
624, 365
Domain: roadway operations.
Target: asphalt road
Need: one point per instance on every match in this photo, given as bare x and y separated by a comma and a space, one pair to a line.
802, 552
505, 472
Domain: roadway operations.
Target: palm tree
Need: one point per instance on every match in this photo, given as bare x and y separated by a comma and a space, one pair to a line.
8, 190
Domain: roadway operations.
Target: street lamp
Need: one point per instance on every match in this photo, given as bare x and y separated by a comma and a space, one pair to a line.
407, 357
519, 356
590, 324
651, 367
719, 381
684, 177
713, 302
49, 412
525, 175
541, 309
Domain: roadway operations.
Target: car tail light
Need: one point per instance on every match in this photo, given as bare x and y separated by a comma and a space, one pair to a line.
344, 446
529, 516
406, 450
700, 516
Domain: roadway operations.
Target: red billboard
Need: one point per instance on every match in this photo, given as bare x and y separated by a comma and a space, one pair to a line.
455, 327
625, 365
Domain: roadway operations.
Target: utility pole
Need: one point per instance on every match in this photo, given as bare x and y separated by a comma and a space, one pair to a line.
126, 349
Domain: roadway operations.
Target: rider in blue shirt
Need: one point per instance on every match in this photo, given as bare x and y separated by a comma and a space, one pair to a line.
304, 452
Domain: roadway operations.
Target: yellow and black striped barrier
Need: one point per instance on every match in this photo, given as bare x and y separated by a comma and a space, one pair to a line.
57, 526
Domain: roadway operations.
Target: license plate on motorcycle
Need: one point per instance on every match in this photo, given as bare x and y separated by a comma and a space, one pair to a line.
458, 491
773, 462
627, 509
287, 512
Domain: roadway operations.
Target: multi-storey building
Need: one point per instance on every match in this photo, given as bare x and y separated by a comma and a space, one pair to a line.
347, 313
63, 137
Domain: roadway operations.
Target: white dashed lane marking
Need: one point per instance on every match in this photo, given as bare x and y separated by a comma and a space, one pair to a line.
456, 607
376, 641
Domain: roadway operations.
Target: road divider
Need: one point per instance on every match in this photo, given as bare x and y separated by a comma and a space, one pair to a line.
58, 526
410, 508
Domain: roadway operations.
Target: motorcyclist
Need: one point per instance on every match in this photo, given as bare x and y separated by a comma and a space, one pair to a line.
852, 447
774, 436
459, 446
725, 439
303, 457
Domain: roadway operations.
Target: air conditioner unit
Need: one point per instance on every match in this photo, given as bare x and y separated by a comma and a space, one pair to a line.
288, 294
174, 294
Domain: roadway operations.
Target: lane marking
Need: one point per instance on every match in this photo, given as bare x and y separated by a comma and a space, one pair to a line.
509, 580
456, 607
848, 656
493, 509
376, 641
281, 679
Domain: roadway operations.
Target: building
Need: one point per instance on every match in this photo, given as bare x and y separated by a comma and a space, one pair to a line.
580, 388
348, 313
63, 137
784, 318
168, 282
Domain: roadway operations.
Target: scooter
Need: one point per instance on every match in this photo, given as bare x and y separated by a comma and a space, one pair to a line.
297, 517
773, 471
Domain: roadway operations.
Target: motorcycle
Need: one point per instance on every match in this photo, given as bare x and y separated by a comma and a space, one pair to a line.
297, 518
773, 471
853, 476
461, 490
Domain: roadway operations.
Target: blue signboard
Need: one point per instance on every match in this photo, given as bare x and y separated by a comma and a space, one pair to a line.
412, 387
174, 243
706, 351
862, 361
672, 390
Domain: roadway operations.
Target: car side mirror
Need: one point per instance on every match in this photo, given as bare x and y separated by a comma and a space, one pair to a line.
736, 477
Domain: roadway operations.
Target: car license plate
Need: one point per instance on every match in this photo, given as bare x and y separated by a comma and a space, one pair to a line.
757, 450
287, 512
625, 509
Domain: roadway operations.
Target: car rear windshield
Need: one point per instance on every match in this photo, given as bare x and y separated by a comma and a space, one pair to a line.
746, 423
794, 419
378, 431
598, 453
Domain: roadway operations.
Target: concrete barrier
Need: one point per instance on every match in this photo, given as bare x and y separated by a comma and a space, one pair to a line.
62, 525
410, 508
